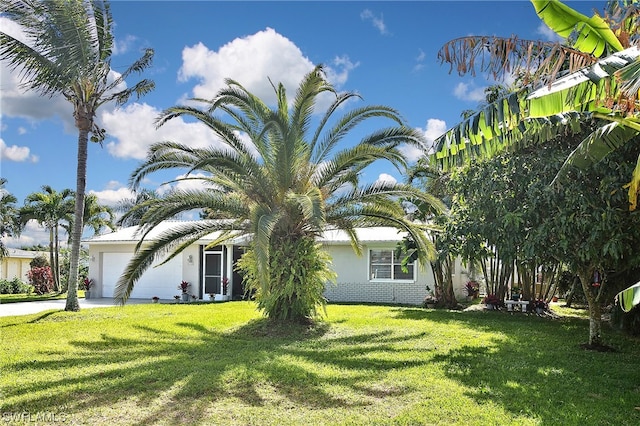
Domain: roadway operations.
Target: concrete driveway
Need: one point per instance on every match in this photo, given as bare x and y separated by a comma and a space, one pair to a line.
26, 308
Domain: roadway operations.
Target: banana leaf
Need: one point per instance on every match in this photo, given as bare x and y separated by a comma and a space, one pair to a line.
629, 297
591, 35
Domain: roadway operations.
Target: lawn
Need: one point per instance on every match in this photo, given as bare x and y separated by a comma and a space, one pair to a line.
31, 297
222, 364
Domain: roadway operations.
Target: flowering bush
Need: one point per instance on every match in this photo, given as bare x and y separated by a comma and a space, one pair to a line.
41, 278
492, 299
184, 286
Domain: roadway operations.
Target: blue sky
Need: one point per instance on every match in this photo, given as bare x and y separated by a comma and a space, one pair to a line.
385, 51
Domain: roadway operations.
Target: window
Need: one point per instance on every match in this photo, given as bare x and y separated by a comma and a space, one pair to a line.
383, 265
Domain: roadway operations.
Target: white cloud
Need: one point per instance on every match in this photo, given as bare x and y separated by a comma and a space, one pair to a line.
123, 45
377, 22
419, 60
250, 60
386, 178
185, 183
134, 129
16, 102
548, 34
435, 128
113, 194
33, 234
16, 153
468, 92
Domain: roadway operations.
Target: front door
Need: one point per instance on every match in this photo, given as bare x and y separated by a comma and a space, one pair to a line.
212, 272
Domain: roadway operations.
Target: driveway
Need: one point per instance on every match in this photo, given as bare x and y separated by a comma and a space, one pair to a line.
25, 308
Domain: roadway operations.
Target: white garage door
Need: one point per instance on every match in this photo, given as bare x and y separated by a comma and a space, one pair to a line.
161, 281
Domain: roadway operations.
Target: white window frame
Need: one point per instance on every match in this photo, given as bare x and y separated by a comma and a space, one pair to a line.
394, 262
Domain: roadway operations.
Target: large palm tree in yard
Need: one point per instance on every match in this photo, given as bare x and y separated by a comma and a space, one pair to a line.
67, 52
281, 182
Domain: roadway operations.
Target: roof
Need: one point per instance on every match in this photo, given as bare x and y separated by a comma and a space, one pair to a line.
23, 254
132, 234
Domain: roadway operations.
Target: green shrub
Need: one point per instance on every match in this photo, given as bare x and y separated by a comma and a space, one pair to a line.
15, 286
298, 271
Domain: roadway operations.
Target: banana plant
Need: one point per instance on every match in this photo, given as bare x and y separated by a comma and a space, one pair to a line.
562, 87
630, 297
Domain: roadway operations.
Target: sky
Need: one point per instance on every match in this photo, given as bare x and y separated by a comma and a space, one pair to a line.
384, 51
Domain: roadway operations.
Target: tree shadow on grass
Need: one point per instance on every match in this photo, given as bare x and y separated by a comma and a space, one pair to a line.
179, 376
535, 367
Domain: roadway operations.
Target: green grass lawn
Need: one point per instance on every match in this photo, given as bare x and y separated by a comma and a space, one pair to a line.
23, 297
222, 364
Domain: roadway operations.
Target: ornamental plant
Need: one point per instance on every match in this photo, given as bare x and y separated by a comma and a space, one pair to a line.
492, 299
184, 285
41, 279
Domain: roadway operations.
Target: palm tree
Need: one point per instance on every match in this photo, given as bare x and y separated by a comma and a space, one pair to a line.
9, 220
97, 216
68, 52
131, 216
50, 209
600, 76
283, 187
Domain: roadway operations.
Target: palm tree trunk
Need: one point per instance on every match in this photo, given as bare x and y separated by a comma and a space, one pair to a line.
52, 260
56, 271
78, 221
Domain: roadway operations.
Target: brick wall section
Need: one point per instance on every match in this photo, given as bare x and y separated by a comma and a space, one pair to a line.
376, 292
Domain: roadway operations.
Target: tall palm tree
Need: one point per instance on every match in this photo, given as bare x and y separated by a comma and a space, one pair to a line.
565, 87
97, 216
283, 187
68, 52
131, 216
9, 218
50, 209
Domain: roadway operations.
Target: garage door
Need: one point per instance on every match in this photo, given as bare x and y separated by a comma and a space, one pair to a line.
161, 281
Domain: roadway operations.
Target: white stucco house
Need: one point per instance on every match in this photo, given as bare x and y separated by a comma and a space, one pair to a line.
16, 263
373, 277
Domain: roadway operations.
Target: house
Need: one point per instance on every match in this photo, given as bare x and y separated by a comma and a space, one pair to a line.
16, 264
373, 277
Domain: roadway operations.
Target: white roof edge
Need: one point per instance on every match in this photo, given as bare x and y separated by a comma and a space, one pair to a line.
333, 236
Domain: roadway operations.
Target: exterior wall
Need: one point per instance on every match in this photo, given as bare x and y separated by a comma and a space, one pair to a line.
353, 280
16, 264
165, 279
12, 267
354, 285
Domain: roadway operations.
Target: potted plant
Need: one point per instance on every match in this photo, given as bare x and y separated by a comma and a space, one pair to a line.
184, 286
212, 296
492, 301
87, 283
223, 289
155, 299
515, 294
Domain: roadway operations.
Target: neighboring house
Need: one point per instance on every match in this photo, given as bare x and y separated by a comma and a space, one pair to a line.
16, 264
373, 277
